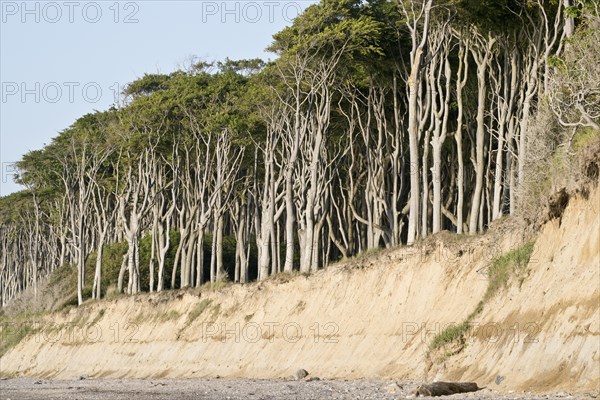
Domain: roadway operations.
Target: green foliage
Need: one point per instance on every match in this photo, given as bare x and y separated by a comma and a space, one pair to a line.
574, 90
15, 205
12, 334
64, 273
112, 257
15, 328
171, 118
145, 255
584, 137
243, 67
491, 15
146, 85
449, 335
229, 245
509, 265
328, 27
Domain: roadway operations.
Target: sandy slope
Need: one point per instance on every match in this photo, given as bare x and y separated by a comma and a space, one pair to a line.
558, 306
369, 318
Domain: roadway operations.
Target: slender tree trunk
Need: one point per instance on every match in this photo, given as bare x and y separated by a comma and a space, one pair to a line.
96, 290
219, 256
481, 52
462, 74
414, 81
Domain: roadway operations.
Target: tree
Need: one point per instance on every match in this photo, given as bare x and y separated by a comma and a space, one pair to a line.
418, 19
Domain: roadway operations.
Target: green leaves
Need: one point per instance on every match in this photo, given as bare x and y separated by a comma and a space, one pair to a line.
146, 85
328, 27
491, 15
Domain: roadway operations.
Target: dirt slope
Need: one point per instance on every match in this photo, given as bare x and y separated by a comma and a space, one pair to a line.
373, 317
558, 306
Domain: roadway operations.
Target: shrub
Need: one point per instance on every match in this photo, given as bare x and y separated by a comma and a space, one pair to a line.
112, 257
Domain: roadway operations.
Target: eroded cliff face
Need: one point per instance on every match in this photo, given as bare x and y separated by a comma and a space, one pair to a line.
370, 317
544, 334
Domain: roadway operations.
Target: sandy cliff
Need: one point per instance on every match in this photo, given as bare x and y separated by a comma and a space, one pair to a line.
371, 317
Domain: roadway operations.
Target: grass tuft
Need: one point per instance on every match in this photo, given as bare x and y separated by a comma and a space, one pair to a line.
15, 328
210, 286
449, 335
198, 310
167, 316
510, 265
12, 334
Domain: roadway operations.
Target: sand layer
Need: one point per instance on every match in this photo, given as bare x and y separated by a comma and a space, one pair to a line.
373, 317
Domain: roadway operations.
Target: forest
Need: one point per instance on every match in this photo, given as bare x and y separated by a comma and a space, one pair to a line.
378, 123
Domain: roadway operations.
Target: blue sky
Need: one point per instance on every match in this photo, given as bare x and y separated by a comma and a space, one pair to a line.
60, 60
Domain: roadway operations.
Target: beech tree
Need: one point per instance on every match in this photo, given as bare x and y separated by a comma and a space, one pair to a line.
377, 124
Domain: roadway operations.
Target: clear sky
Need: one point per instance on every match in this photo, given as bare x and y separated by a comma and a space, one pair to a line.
60, 60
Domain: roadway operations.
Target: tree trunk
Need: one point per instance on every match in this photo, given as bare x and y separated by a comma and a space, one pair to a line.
413, 124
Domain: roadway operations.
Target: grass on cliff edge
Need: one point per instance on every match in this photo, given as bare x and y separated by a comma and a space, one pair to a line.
500, 271
14, 328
